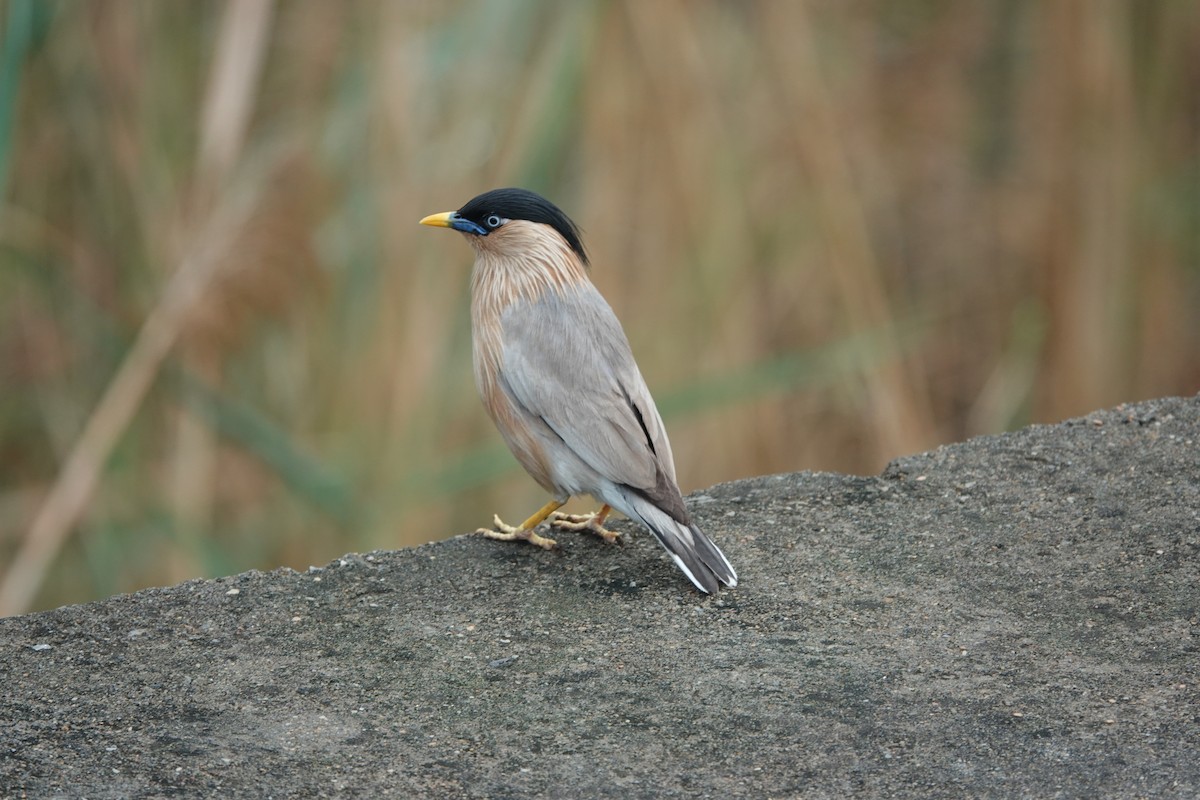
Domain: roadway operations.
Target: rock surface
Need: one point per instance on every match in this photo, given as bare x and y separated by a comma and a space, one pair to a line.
1018, 615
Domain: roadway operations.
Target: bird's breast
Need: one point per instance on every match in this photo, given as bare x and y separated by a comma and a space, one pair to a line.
510, 420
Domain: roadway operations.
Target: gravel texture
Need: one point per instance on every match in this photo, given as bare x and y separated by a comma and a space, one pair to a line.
1018, 615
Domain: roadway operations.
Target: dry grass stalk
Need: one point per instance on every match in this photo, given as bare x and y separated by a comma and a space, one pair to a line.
230, 99
79, 476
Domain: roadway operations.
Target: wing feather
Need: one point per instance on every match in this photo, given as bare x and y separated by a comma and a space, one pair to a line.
566, 360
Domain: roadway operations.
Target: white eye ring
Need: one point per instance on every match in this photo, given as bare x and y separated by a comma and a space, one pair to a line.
493, 221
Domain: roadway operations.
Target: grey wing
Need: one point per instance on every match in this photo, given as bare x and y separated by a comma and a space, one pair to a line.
566, 360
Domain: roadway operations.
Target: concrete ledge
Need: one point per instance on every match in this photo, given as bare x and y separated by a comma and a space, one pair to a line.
1018, 615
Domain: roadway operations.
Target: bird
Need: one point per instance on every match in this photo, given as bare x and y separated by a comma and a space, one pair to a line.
556, 374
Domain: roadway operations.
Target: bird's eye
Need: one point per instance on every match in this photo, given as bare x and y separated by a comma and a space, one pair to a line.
493, 221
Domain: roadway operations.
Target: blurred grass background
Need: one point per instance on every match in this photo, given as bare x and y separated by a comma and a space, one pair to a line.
836, 233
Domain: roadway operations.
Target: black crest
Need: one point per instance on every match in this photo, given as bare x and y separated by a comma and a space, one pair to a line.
526, 205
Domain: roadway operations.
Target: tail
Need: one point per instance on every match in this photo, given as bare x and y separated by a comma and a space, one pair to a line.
692, 551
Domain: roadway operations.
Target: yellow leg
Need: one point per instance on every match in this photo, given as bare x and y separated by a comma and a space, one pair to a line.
507, 533
593, 523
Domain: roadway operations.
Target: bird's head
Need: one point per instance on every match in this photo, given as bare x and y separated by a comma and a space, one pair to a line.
507, 221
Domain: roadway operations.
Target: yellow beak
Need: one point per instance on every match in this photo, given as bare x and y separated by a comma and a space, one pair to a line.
439, 220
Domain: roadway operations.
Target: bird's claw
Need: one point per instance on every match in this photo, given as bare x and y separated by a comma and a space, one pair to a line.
507, 533
591, 523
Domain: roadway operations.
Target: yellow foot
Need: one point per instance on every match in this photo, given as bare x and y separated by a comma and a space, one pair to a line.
507, 533
592, 523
